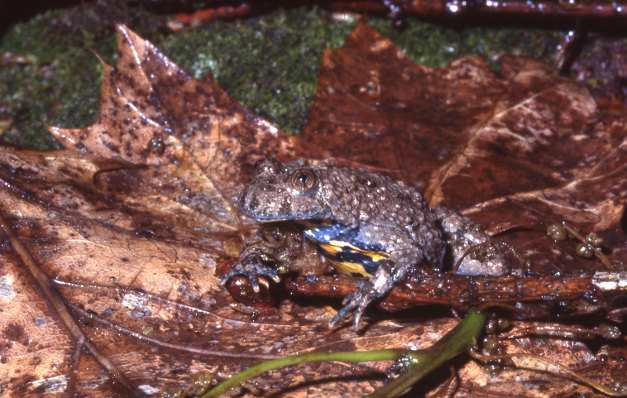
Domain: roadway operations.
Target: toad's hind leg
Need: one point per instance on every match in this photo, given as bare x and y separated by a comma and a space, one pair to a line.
377, 287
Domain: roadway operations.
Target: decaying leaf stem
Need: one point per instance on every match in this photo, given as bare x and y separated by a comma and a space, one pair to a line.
58, 305
465, 291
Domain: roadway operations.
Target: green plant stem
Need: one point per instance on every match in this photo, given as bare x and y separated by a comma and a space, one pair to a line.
422, 361
344, 356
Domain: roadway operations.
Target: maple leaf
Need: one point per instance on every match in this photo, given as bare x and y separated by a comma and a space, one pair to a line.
132, 218
514, 147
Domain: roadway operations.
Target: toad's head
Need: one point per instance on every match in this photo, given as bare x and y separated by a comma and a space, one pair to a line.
280, 192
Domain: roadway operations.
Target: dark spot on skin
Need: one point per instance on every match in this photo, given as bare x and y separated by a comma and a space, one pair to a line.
254, 203
403, 196
124, 259
272, 182
366, 182
286, 206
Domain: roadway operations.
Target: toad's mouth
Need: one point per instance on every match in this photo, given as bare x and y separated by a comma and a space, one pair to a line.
268, 218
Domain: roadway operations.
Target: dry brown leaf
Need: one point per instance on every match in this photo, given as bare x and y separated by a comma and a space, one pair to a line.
514, 147
132, 226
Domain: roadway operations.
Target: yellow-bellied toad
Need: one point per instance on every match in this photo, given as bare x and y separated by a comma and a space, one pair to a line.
354, 215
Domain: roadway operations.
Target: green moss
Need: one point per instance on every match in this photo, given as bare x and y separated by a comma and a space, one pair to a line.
435, 46
62, 86
268, 63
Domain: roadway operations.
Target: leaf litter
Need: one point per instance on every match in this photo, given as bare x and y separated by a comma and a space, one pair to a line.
132, 218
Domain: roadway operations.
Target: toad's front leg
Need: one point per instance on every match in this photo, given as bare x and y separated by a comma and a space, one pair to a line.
377, 287
254, 261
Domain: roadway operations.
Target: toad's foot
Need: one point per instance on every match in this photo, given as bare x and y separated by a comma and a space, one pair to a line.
377, 287
358, 301
252, 267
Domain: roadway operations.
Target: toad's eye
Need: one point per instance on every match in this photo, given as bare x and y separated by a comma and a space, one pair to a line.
303, 180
